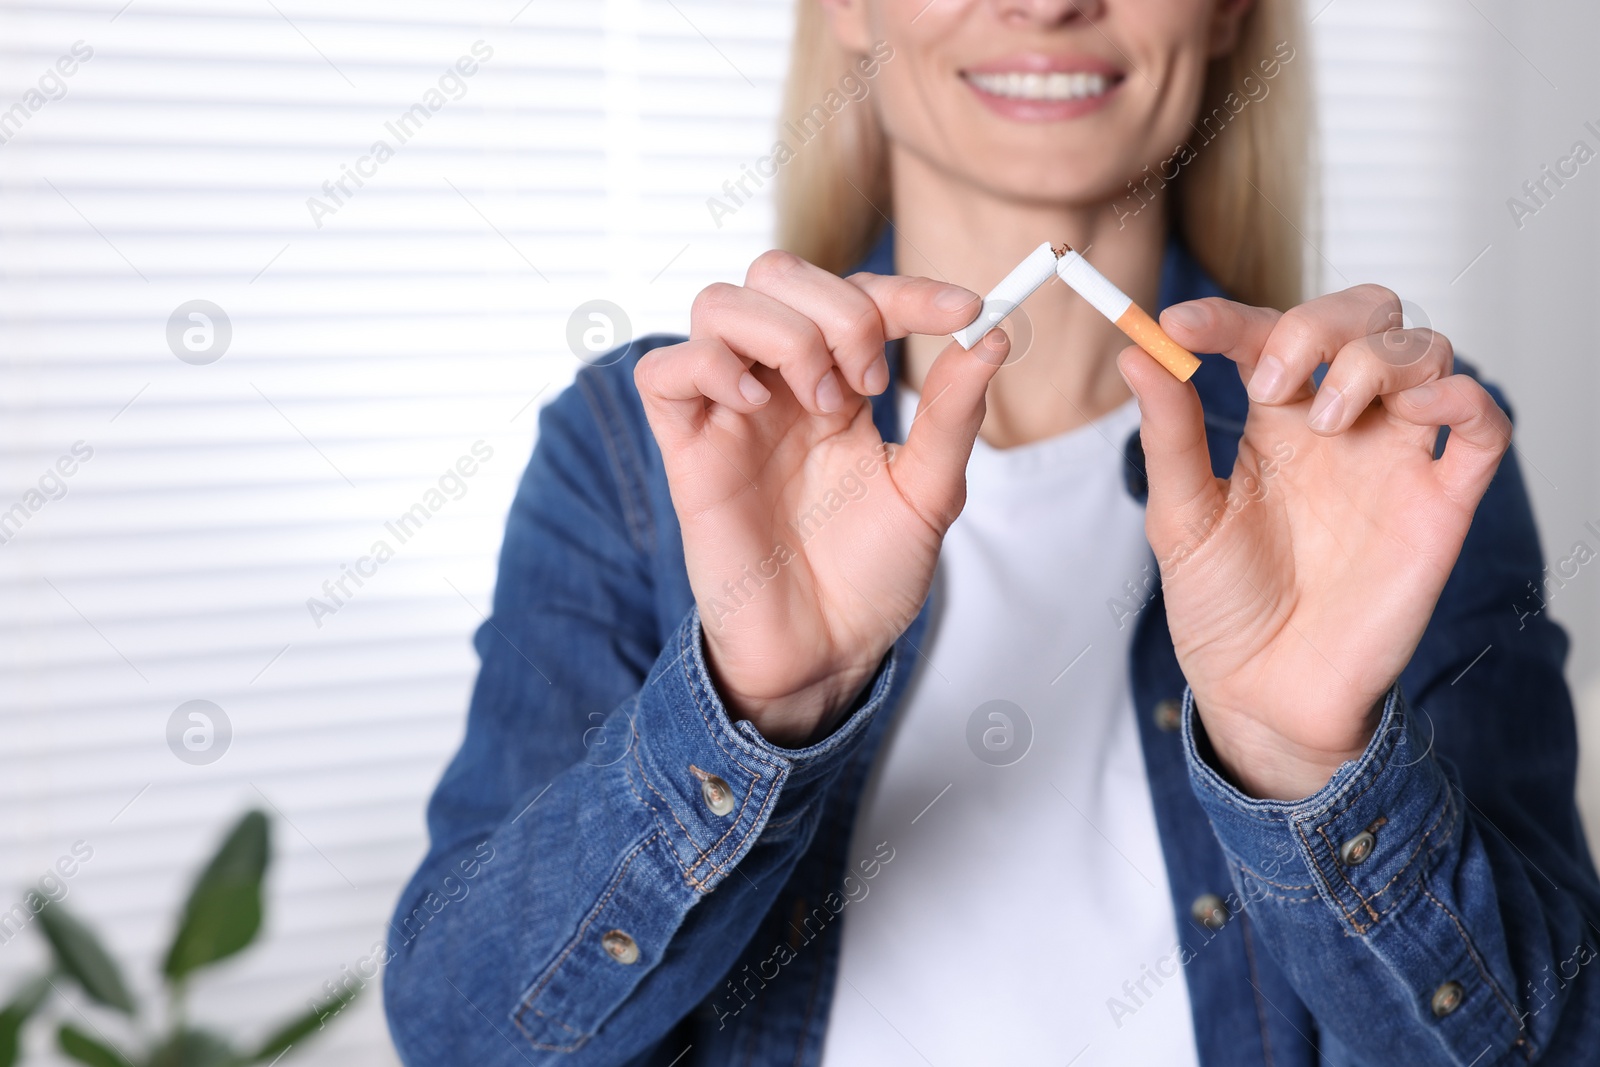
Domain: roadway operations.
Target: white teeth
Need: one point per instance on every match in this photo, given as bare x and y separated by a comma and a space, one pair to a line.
1059, 85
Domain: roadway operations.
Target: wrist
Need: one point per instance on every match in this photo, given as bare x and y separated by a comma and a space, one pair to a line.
1264, 763
802, 717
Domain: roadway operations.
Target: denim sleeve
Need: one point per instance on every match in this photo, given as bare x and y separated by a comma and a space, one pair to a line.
1435, 902
606, 839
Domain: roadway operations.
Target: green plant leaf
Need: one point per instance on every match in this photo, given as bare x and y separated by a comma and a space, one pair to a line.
85, 1049
223, 913
194, 1048
15, 1014
30, 995
11, 1022
293, 1031
79, 953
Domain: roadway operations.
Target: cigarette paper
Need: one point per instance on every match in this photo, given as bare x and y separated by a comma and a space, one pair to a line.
1013, 289
1130, 318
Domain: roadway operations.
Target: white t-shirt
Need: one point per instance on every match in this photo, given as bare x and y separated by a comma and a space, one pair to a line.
1027, 884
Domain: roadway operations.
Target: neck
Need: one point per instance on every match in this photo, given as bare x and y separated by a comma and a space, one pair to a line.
1065, 375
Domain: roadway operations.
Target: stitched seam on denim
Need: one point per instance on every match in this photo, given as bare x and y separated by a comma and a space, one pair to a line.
1309, 898
1399, 900
1305, 843
1422, 843
1477, 960
1268, 881
1371, 778
782, 824
692, 680
1219, 788
1255, 985
655, 812
634, 513
718, 868
1344, 799
575, 1046
701, 854
577, 939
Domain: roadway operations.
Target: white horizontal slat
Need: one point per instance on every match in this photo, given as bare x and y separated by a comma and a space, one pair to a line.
426, 313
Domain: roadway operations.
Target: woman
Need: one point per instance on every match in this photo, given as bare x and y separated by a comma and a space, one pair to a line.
1225, 745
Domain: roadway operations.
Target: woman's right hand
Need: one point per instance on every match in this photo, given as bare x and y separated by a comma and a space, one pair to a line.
810, 542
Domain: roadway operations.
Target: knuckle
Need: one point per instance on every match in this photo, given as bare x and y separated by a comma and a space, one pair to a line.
1380, 296
1441, 349
715, 299
855, 329
773, 265
1298, 331
1401, 349
1218, 308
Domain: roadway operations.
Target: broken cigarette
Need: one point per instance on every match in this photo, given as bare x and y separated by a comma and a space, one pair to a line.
1013, 289
1094, 287
1130, 318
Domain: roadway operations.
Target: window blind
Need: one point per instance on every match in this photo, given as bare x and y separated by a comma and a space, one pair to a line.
392, 314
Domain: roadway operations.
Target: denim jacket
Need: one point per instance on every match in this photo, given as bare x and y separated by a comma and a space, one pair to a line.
619, 873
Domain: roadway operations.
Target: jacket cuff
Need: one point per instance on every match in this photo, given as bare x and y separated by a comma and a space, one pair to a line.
1359, 837
1364, 866
716, 785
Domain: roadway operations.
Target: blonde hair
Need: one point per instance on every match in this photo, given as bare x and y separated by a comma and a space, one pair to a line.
1240, 202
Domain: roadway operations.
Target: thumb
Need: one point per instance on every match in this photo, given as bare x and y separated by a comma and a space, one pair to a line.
931, 467
1184, 494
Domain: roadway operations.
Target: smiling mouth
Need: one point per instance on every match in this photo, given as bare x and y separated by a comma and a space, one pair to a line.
1052, 87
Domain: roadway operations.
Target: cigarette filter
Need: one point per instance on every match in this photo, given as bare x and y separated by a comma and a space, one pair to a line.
1130, 318
1013, 289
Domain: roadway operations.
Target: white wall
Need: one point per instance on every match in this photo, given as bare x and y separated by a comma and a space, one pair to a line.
429, 312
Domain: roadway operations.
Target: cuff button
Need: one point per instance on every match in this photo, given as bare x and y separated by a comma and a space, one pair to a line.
1355, 851
620, 947
1209, 910
1168, 715
1447, 998
718, 797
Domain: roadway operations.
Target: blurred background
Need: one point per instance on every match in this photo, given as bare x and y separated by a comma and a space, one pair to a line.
258, 341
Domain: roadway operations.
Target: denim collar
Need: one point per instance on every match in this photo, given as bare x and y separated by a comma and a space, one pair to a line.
1222, 394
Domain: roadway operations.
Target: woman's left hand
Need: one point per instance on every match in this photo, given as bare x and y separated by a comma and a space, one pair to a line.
1297, 590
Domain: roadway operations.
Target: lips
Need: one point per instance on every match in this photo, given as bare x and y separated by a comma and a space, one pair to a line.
1060, 85
1037, 87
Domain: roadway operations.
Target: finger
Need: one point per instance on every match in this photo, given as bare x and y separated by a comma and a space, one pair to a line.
675, 382
1184, 494
849, 321
768, 331
1480, 432
1313, 333
910, 305
931, 467
1225, 326
1375, 366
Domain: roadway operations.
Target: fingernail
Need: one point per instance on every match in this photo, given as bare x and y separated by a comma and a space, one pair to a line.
954, 298
752, 390
1185, 315
877, 377
1267, 380
993, 348
1326, 410
1422, 394
1129, 381
829, 397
